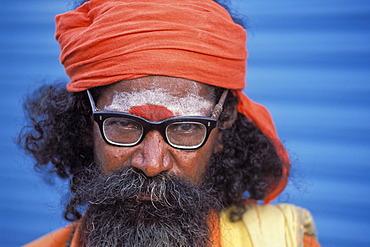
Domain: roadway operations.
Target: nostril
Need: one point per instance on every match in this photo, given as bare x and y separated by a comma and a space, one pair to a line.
151, 157
160, 175
139, 171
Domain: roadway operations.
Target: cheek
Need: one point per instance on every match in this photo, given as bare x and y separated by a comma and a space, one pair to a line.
193, 165
109, 157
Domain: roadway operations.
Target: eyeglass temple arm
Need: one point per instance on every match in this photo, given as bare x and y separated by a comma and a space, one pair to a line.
92, 102
219, 106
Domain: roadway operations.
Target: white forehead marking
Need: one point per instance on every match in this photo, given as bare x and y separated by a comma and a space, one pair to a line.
190, 105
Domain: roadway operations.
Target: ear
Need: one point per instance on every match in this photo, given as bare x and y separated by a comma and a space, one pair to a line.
218, 146
231, 114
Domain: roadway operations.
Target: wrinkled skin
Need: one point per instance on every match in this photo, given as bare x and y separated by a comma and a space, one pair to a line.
153, 155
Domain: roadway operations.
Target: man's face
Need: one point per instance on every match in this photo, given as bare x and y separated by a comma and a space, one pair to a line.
168, 203
168, 97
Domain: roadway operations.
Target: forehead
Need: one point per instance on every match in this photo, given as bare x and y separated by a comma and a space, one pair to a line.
181, 96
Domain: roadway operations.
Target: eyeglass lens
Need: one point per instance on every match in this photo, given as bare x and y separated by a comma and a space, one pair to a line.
186, 134
122, 130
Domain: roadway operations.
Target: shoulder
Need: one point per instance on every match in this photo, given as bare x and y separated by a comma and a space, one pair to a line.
56, 238
290, 216
267, 225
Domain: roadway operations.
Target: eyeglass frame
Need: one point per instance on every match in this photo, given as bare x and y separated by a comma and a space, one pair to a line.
147, 125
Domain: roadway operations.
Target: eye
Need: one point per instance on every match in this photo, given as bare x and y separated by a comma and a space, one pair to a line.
185, 128
121, 123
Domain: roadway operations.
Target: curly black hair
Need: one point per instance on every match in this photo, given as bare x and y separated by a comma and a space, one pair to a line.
59, 137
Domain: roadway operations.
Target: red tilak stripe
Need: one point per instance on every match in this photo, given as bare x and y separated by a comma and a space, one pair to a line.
151, 112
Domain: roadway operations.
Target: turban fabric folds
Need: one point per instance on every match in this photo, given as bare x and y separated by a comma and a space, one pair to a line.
106, 41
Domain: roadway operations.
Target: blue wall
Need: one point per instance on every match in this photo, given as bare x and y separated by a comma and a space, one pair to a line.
309, 63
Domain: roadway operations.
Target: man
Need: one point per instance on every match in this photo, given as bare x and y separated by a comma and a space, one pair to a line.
161, 146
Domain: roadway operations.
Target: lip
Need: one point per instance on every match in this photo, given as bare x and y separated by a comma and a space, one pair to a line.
146, 197
143, 197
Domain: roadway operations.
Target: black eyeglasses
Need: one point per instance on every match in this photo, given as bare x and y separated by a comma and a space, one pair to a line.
127, 130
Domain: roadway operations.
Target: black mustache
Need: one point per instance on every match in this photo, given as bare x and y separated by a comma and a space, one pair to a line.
132, 184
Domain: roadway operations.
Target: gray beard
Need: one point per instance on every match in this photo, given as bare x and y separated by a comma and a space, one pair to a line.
129, 209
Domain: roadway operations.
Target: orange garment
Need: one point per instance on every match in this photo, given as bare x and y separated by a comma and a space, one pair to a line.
57, 238
310, 241
214, 224
105, 41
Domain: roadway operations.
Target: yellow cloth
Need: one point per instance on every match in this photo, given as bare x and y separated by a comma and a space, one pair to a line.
282, 225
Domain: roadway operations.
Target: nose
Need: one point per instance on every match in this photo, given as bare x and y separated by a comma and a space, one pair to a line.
153, 156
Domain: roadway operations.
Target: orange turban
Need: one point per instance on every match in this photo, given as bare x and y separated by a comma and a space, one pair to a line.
105, 41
